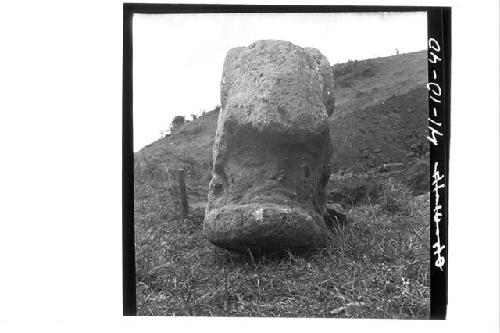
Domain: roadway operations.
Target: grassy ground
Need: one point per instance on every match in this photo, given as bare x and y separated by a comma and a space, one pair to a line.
377, 267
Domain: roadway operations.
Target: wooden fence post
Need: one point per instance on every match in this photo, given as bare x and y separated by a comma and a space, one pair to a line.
183, 195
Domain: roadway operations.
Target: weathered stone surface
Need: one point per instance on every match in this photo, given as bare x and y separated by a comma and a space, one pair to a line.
327, 76
272, 150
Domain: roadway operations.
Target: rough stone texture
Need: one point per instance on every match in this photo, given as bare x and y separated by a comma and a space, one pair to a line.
327, 76
272, 150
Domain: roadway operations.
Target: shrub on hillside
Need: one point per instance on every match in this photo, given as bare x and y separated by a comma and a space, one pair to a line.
177, 123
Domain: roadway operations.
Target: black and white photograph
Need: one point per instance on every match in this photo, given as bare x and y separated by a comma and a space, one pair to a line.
250, 166
281, 164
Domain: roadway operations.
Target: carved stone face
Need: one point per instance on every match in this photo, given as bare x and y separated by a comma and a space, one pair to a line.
272, 150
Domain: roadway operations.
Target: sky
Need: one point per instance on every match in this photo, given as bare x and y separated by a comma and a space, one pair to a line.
178, 58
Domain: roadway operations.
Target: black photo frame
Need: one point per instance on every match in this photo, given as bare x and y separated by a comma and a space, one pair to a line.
439, 87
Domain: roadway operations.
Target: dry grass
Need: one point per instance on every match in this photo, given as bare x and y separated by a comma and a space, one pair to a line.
377, 267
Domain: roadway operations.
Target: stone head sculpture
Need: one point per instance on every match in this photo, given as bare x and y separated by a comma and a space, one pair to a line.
272, 149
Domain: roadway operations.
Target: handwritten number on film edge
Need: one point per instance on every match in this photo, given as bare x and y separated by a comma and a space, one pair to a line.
435, 131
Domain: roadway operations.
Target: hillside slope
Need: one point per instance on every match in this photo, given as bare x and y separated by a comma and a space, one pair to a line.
359, 84
391, 131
